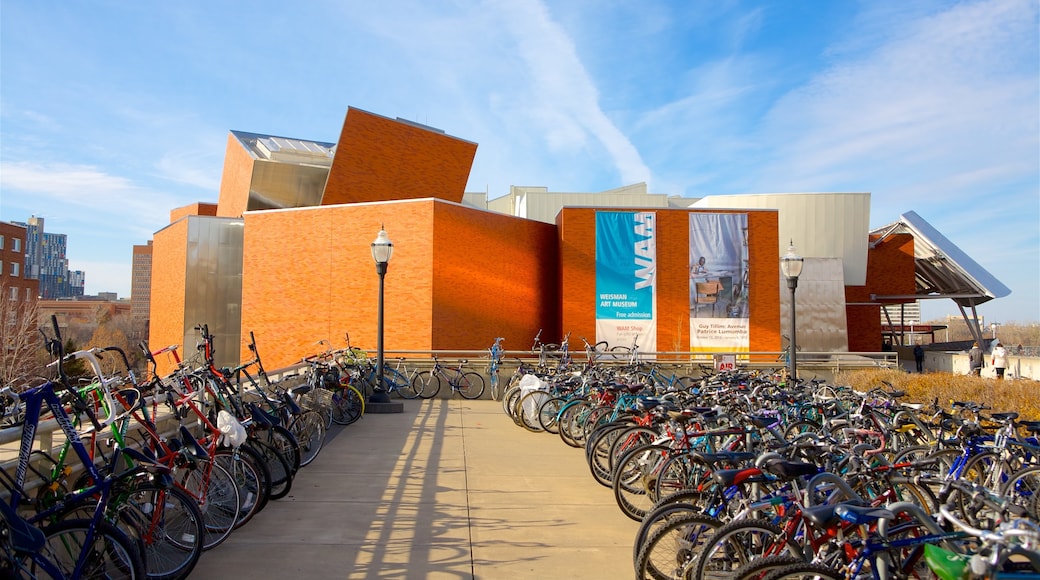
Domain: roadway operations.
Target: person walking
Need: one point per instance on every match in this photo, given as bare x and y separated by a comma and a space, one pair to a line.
999, 360
919, 357
976, 359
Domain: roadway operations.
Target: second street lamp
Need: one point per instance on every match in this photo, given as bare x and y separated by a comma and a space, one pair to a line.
791, 266
382, 249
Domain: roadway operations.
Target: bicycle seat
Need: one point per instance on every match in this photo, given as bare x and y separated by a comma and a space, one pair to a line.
788, 470
730, 477
725, 458
1009, 416
862, 514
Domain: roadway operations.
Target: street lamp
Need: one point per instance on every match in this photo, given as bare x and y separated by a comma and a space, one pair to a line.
382, 249
791, 266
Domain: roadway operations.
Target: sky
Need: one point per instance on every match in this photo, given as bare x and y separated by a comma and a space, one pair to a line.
112, 113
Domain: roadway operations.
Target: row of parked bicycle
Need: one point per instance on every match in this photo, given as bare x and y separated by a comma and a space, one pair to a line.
746, 475
152, 472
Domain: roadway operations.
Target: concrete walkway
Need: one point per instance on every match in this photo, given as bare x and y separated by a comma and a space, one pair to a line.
447, 489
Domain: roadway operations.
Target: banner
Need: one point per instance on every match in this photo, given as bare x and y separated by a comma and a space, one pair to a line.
626, 279
719, 283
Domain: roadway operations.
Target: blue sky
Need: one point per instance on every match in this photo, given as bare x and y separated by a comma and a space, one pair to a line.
112, 113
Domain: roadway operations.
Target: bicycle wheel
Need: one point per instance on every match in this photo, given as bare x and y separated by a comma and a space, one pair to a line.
1023, 490
806, 571
309, 430
471, 385
635, 479
674, 547
548, 414
529, 406
760, 568
252, 478
113, 554
277, 466
170, 524
739, 542
216, 493
285, 442
404, 385
427, 384
347, 405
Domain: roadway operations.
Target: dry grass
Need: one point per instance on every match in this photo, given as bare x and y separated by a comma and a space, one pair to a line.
1022, 396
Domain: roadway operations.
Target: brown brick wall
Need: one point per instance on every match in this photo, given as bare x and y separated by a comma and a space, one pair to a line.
235, 181
890, 271
378, 158
169, 267
577, 234
199, 208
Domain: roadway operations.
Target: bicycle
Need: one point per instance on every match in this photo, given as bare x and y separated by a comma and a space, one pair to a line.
495, 361
462, 381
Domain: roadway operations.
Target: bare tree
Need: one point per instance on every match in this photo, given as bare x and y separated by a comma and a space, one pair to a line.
20, 355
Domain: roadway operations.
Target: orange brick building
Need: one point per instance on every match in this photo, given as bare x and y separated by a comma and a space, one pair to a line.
285, 254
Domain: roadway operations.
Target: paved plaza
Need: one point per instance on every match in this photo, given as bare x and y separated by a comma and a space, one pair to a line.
447, 489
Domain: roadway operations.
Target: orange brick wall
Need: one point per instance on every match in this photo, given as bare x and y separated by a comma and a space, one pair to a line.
169, 266
494, 276
451, 284
234, 182
577, 234
378, 158
890, 271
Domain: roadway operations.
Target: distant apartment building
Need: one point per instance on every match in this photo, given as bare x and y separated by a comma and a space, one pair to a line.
45, 260
141, 289
18, 287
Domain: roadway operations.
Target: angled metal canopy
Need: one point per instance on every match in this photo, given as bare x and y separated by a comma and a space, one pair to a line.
942, 270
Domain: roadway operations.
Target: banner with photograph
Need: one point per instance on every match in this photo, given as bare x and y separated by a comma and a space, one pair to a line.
719, 282
626, 279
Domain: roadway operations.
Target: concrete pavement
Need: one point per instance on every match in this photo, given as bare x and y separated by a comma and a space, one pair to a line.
447, 489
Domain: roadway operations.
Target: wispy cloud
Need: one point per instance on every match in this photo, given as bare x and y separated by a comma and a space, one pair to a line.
84, 198
565, 100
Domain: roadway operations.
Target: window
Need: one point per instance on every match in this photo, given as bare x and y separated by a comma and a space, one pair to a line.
14, 294
28, 294
1, 268
14, 269
16, 244
1, 242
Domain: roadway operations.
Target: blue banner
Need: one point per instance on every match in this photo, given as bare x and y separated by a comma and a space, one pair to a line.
626, 278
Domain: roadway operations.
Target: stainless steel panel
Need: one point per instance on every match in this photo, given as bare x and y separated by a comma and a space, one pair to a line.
820, 300
277, 185
213, 285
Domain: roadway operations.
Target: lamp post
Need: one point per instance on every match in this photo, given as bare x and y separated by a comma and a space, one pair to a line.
791, 266
382, 249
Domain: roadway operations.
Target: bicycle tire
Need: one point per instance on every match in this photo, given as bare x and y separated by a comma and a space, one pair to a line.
277, 466
252, 478
348, 405
633, 479
116, 555
471, 385
218, 499
510, 392
284, 441
806, 570
405, 385
549, 413
739, 542
309, 429
528, 410
664, 510
674, 547
762, 567
173, 537
1023, 489
427, 384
